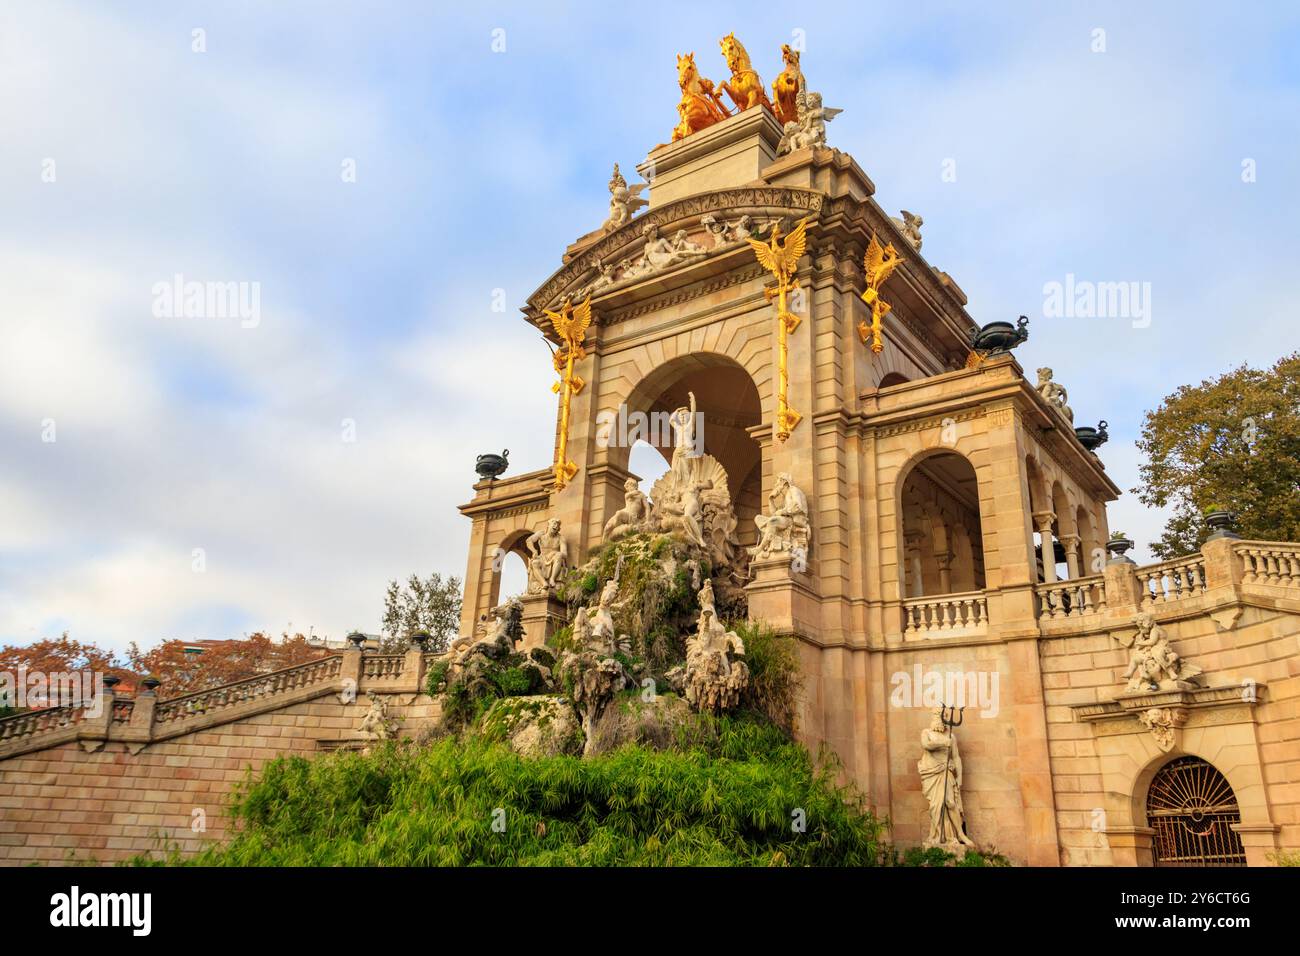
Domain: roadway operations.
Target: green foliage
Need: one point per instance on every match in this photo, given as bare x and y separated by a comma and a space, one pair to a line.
773, 662
437, 674
730, 801
935, 856
1232, 442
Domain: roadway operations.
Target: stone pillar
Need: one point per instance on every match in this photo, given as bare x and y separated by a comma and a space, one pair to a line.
944, 561
913, 585
1122, 591
1223, 567
413, 668
782, 597
543, 613
1044, 520
1029, 718
1070, 542
1130, 846
469, 608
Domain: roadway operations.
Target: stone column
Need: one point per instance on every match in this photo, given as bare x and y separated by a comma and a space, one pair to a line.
1044, 520
913, 585
1070, 542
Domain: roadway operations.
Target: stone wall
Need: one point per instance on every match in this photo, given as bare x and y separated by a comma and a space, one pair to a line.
150, 774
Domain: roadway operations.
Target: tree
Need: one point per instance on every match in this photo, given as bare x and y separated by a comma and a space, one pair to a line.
1229, 443
432, 606
219, 662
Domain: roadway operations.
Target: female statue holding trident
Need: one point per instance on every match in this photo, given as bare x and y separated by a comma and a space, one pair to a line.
941, 771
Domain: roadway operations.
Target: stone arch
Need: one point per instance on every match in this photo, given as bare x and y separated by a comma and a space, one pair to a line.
938, 500
893, 378
514, 543
728, 398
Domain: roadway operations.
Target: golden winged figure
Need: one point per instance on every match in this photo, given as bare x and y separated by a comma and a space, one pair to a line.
782, 259
571, 326
879, 263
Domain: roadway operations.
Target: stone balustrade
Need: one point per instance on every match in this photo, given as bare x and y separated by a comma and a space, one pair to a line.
1080, 597
274, 684
138, 721
32, 723
945, 615
1269, 563
1171, 580
382, 666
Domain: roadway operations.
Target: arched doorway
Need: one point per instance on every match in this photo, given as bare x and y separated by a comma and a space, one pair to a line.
943, 550
510, 568
1192, 809
729, 404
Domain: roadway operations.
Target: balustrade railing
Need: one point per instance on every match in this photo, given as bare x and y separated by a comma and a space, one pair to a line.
382, 666
38, 721
254, 688
1072, 599
1171, 580
1272, 564
945, 615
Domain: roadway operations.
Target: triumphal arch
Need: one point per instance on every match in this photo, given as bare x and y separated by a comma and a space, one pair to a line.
884, 483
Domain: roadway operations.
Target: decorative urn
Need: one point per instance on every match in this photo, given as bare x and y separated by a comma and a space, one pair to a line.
357, 639
1118, 546
150, 684
1092, 438
996, 338
492, 466
1220, 522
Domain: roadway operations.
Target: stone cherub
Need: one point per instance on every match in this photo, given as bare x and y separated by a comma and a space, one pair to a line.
910, 226
727, 232
810, 128
550, 558
634, 514
1055, 393
624, 201
1153, 664
940, 767
375, 724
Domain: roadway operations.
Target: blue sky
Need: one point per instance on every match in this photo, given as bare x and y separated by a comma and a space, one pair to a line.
474, 169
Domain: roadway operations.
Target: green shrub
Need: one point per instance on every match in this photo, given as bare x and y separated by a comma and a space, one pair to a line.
728, 802
773, 662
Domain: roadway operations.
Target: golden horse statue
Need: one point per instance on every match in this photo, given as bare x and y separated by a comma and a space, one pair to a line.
786, 87
745, 86
700, 106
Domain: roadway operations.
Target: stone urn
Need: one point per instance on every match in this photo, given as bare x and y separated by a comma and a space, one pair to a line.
1092, 438
150, 684
1118, 547
1220, 523
492, 466
357, 639
996, 338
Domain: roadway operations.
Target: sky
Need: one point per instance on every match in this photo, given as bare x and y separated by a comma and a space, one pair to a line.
393, 180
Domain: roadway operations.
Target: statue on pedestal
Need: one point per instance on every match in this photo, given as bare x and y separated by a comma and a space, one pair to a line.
786, 530
809, 130
910, 226
624, 201
375, 724
787, 86
1054, 393
701, 105
941, 780
550, 558
1153, 664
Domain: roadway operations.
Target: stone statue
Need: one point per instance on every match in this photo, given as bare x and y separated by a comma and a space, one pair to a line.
497, 634
550, 558
724, 233
910, 227
624, 201
787, 87
661, 253
1054, 393
745, 86
941, 780
633, 516
712, 680
375, 724
701, 105
582, 627
1153, 664
809, 130
786, 530
602, 635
